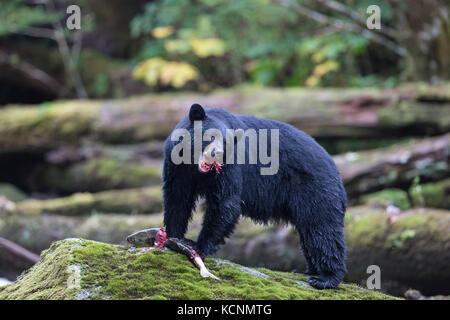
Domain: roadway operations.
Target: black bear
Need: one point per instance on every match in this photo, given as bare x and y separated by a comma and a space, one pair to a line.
304, 189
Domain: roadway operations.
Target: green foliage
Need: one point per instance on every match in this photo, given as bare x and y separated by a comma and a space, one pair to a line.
16, 15
239, 35
230, 41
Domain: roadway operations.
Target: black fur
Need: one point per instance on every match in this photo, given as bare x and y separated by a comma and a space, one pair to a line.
306, 192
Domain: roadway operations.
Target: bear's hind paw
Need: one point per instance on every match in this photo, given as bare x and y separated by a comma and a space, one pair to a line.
322, 283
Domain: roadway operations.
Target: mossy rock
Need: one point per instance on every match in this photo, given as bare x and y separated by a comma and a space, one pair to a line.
432, 195
12, 192
396, 197
84, 269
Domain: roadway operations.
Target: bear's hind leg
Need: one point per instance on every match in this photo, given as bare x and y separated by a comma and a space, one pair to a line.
326, 250
310, 270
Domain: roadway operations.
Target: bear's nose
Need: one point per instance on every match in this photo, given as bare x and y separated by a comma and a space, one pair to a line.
217, 152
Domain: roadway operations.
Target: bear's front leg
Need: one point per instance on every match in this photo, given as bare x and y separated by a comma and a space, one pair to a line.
178, 206
218, 223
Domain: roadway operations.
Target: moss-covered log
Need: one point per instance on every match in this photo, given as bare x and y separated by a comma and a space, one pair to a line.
322, 113
411, 248
139, 200
433, 194
98, 174
82, 269
395, 166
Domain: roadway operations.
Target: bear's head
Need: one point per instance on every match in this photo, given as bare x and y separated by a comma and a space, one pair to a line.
207, 131
212, 152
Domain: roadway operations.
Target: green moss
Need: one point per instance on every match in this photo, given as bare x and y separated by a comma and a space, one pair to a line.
83, 269
367, 229
396, 197
433, 194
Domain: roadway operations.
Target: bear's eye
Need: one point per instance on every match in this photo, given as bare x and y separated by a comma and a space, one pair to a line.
213, 138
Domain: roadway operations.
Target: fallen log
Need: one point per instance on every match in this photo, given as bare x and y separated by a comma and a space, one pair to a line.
395, 166
139, 200
323, 113
362, 172
412, 249
98, 174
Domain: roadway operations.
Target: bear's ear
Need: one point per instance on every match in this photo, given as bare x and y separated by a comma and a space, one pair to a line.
197, 112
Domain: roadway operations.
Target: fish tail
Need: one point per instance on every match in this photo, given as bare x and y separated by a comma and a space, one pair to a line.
206, 274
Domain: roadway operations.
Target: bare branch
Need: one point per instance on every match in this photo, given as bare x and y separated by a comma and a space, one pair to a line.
18, 251
64, 50
76, 46
344, 26
354, 15
33, 32
44, 79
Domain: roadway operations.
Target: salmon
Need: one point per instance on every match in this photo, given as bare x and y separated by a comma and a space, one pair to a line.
157, 237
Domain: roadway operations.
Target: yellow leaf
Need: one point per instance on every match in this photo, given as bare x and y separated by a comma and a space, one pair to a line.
324, 68
177, 46
176, 74
312, 81
208, 47
162, 32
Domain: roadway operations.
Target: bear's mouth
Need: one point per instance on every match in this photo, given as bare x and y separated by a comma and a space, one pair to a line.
205, 167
